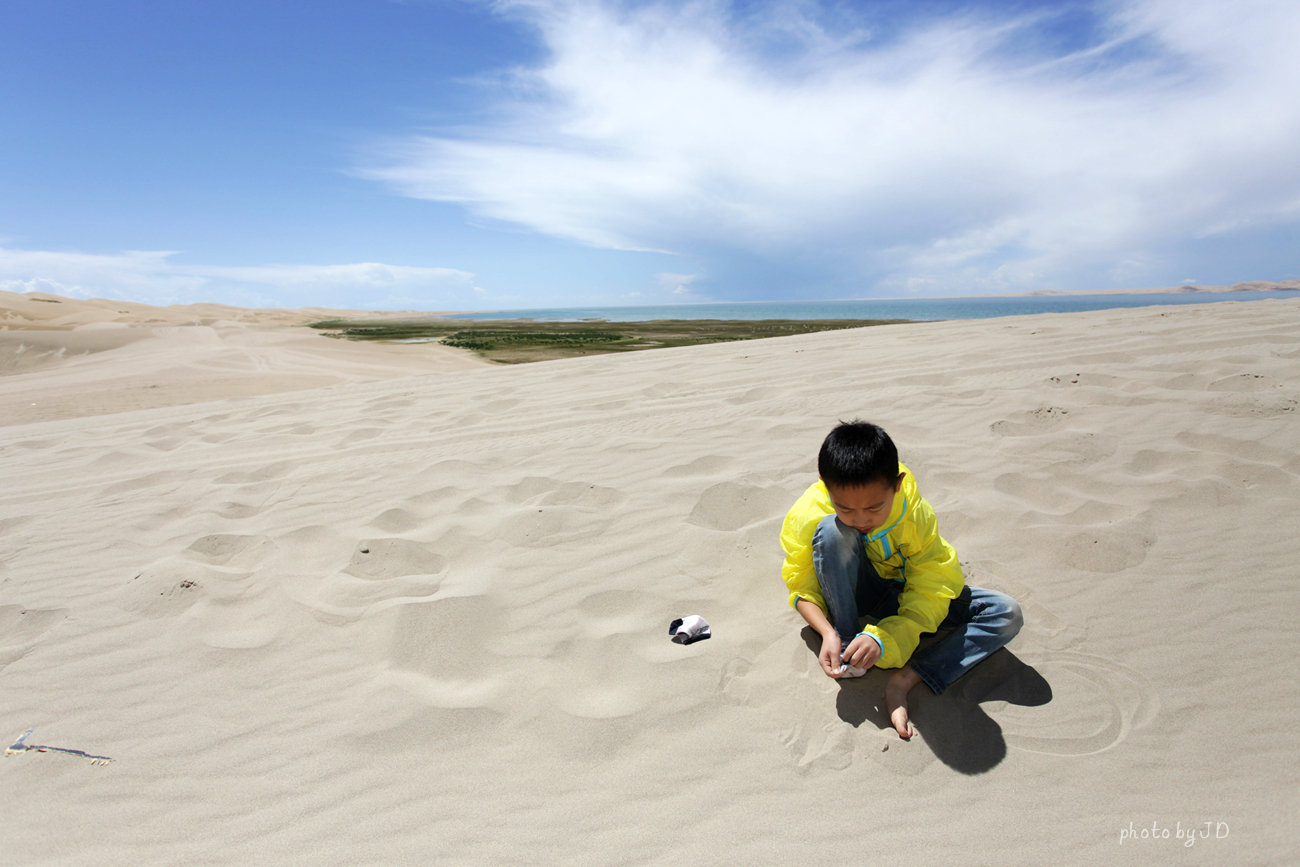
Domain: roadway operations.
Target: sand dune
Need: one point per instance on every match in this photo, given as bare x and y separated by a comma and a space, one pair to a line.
41, 310
424, 620
100, 357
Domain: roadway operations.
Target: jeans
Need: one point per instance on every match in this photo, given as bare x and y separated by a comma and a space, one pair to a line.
978, 622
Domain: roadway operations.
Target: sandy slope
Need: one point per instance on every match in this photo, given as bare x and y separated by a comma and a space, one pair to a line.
29, 310
423, 621
89, 360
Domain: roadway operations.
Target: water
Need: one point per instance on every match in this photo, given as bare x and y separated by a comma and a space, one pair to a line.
884, 308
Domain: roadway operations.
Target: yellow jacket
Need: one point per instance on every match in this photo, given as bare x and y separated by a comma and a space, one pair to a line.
907, 548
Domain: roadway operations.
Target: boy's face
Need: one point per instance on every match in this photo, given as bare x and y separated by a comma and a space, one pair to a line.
864, 507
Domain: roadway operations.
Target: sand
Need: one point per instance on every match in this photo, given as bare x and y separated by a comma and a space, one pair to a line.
424, 620
79, 358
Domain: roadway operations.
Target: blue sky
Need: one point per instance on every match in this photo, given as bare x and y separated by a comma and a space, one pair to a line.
455, 154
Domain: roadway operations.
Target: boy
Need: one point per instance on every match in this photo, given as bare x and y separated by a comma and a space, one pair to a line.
862, 541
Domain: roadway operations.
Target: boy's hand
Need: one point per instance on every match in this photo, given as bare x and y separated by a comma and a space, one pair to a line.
862, 652
830, 655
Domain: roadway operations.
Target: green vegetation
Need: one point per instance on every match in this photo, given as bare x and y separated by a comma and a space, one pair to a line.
524, 340
487, 340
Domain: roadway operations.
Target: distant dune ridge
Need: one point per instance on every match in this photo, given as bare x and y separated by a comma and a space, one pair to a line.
148, 356
22, 311
97, 357
1248, 286
416, 612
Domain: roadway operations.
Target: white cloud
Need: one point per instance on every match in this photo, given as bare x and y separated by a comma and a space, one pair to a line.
964, 153
678, 285
153, 277
42, 284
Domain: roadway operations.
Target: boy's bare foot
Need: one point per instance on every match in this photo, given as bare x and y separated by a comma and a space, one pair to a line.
900, 684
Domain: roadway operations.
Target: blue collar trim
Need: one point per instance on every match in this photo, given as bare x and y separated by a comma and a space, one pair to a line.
884, 534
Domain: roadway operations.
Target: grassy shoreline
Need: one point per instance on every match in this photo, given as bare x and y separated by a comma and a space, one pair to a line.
519, 341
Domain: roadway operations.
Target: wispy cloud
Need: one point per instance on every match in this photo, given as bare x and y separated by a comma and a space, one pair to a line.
153, 277
959, 154
677, 286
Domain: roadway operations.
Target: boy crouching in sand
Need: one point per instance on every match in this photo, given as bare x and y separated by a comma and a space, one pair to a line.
863, 542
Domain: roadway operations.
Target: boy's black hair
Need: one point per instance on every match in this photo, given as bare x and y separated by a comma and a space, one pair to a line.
857, 453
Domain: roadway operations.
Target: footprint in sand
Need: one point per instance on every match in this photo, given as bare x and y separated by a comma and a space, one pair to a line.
396, 520
242, 552
1039, 421
7, 525
544, 491
36, 444
730, 506
1109, 548
272, 411
553, 512
709, 465
231, 509
381, 574
1151, 462
583, 495
293, 429
446, 472
757, 394
165, 430
1244, 407
663, 389
140, 483
599, 678
172, 586
168, 437
1037, 491
442, 653
609, 612
358, 436
439, 496
544, 527
265, 474
214, 570
1244, 382
828, 746
378, 559
1244, 449
388, 403
21, 628
1098, 380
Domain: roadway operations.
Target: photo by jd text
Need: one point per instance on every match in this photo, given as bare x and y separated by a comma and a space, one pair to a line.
1188, 835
